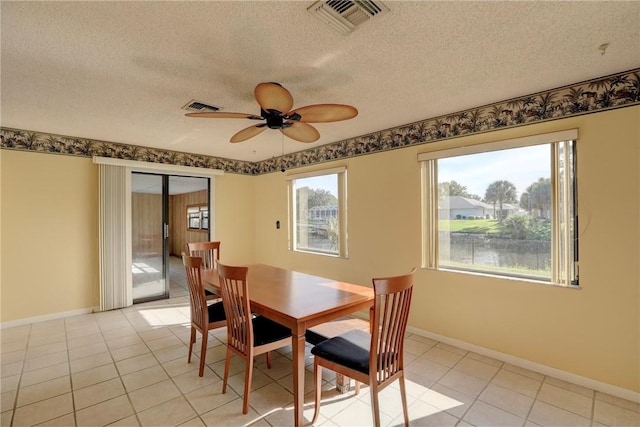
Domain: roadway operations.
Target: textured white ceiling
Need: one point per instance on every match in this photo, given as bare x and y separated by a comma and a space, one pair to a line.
121, 71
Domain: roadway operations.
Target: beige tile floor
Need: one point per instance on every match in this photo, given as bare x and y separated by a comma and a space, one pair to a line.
129, 368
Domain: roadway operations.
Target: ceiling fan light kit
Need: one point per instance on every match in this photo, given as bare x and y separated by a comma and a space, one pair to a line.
275, 108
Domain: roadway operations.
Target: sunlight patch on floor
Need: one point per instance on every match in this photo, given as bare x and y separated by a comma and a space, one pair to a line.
141, 268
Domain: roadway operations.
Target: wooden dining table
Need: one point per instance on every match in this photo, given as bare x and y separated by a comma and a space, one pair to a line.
298, 301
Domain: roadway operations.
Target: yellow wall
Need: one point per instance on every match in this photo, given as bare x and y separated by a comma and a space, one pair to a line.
49, 218
593, 332
234, 218
49, 234
49, 231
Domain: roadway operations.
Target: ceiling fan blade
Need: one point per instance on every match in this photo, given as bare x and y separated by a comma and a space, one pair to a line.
272, 96
301, 132
249, 132
217, 115
322, 113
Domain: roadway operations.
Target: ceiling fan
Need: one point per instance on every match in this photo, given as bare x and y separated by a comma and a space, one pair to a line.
275, 107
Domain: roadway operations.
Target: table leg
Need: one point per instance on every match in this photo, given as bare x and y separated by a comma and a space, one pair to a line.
343, 384
298, 378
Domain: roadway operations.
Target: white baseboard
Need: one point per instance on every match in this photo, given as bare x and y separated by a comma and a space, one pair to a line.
533, 366
47, 317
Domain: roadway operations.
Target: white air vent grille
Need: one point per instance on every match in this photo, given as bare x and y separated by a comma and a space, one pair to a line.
199, 106
345, 16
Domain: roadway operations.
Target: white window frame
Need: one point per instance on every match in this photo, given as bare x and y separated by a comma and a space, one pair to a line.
202, 212
562, 261
341, 173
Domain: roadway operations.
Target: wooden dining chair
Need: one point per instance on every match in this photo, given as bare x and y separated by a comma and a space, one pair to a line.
247, 335
374, 358
208, 251
203, 317
210, 254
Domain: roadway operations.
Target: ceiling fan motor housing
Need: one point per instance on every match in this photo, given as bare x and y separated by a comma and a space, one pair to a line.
275, 119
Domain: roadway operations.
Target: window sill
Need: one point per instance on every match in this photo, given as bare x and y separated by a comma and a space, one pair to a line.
310, 252
509, 278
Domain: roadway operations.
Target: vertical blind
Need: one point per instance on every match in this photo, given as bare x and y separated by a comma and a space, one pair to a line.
116, 290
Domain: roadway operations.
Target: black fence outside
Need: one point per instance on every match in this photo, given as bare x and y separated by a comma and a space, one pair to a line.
477, 249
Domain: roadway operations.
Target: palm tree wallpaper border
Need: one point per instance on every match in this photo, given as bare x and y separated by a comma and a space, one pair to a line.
605, 93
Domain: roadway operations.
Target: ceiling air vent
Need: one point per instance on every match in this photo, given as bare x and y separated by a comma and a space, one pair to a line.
345, 16
198, 106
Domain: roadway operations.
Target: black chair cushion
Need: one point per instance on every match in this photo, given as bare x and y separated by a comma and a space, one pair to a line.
208, 293
313, 337
333, 328
216, 312
350, 349
266, 331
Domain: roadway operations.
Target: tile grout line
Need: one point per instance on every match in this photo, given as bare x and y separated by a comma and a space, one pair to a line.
198, 415
173, 306
535, 399
120, 375
477, 398
114, 362
593, 409
73, 396
24, 360
173, 381
460, 419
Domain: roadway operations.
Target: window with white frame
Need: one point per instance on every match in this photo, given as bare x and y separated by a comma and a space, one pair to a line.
198, 217
318, 213
506, 208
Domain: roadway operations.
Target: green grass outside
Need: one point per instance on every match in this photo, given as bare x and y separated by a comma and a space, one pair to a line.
515, 270
478, 226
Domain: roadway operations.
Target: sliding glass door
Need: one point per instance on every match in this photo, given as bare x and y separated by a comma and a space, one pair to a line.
150, 236
167, 212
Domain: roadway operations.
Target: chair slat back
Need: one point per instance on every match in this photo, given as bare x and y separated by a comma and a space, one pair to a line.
390, 314
197, 299
208, 251
234, 288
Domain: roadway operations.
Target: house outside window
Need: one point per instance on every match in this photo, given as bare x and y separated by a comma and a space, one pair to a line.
317, 212
506, 208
